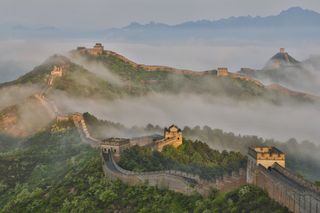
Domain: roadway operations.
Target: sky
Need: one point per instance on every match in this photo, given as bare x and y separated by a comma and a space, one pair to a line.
102, 14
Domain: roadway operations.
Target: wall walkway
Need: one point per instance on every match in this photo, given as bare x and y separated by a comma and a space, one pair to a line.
297, 194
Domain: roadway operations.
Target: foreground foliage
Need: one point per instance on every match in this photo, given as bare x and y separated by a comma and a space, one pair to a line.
195, 157
54, 172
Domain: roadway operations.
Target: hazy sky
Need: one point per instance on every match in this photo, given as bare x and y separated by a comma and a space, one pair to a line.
94, 14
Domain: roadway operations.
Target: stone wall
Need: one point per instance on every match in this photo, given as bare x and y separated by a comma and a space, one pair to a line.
173, 180
81, 126
231, 182
177, 181
154, 68
246, 78
296, 194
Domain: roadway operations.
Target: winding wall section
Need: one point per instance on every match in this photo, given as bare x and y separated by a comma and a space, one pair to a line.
297, 194
178, 181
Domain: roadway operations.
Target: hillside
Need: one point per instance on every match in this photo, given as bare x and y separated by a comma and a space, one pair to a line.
110, 76
76, 81
136, 80
139, 79
53, 172
25, 118
192, 157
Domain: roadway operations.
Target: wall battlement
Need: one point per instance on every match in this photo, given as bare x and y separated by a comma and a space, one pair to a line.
262, 156
266, 169
308, 186
266, 153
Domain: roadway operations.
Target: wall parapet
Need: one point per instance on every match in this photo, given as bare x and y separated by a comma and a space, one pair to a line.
299, 180
179, 181
162, 172
284, 188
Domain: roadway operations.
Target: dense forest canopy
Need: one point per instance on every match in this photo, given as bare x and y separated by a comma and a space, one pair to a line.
192, 157
54, 172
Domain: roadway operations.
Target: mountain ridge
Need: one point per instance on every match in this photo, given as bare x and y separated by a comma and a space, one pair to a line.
291, 24
80, 82
285, 14
295, 19
59, 60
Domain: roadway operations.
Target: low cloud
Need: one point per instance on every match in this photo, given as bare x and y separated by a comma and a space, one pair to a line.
259, 119
97, 68
304, 77
16, 94
18, 57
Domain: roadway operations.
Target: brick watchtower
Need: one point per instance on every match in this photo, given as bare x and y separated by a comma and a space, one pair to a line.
265, 156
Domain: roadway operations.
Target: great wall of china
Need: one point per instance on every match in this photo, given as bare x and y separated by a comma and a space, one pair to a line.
98, 49
288, 189
297, 194
265, 169
175, 180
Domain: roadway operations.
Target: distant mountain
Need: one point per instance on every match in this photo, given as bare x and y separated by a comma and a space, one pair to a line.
281, 59
291, 24
296, 22
284, 69
294, 16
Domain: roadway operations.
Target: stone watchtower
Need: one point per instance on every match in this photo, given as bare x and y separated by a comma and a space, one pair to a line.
172, 136
97, 49
265, 156
57, 71
173, 133
222, 71
115, 145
